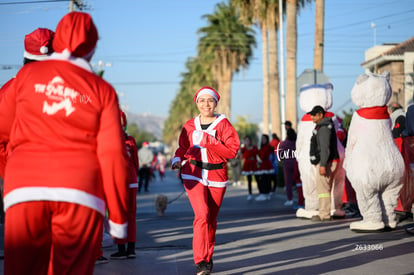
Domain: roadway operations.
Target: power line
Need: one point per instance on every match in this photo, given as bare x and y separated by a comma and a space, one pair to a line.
31, 2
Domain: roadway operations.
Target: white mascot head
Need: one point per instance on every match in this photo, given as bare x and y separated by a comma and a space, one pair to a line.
315, 94
371, 90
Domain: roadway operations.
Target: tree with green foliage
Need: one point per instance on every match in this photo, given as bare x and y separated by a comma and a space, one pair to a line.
245, 128
228, 44
139, 134
346, 120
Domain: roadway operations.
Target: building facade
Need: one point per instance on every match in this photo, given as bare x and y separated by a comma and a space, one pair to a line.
398, 59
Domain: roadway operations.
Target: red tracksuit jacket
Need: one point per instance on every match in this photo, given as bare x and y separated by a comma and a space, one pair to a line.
65, 140
214, 145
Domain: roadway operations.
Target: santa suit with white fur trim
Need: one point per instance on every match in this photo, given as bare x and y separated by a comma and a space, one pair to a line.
214, 145
67, 160
310, 96
373, 163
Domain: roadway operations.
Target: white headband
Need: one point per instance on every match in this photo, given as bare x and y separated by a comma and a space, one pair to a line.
207, 91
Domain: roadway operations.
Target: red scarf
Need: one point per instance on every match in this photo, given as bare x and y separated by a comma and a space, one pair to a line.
374, 112
306, 117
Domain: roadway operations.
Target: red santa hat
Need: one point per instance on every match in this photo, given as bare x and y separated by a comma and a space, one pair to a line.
38, 44
207, 91
76, 33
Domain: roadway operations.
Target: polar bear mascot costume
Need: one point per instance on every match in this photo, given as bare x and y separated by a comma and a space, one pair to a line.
310, 96
373, 163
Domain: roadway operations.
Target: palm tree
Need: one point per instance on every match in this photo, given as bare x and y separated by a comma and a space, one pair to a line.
319, 34
182, 108
273, 22
254, 12
291, 50
230, 44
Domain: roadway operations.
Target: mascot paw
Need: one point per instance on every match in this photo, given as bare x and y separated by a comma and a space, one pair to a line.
366, 226
306, 214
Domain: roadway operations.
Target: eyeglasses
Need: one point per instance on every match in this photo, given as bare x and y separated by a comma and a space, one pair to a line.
206, 100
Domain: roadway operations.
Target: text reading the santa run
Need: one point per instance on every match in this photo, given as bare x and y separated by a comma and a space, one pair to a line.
368, 247
63, 97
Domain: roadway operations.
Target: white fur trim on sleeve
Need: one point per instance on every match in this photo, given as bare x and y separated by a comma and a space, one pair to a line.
118, 230
176, 159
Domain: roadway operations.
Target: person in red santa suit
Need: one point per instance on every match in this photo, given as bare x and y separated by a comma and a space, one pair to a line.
250, 154
205, 144
37, 47
132, 183
67, 160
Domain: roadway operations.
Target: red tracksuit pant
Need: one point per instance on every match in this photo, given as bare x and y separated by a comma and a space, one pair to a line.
206, 202
46, 237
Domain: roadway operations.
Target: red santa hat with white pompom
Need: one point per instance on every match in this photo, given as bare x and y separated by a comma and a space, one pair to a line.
38, 44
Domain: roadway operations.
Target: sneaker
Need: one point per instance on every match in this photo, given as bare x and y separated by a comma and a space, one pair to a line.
410, 229
131, 254
288, 203
202, 268
249, 197
261, 197
210, 265
102, 260
120, 255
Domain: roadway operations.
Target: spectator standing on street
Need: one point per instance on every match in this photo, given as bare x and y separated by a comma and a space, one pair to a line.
286, 154
249, 153
235, 165
265, 169
37, 47
397, 116
160, 166
146, 157
288, 125
324, 154
275, 141
275, 162
67, 162
205, 144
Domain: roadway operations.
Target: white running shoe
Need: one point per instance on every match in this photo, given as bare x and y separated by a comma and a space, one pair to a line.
249, 197
261, 197
288, 203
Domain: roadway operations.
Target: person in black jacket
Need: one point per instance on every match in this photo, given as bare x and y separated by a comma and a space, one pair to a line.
323, 154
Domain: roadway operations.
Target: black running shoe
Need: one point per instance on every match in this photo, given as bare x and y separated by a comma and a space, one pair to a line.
120, 255
102, 260
210, 265
202, 268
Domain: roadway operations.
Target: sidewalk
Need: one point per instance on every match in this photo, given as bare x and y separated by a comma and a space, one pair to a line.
256, 238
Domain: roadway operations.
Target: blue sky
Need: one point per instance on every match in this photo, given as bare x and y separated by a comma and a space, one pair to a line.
148, 43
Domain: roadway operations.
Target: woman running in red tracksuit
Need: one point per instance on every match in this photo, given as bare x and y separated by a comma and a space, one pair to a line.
67, 160
205, 144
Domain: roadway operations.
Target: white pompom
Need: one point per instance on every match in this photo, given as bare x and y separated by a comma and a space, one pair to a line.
44, 50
